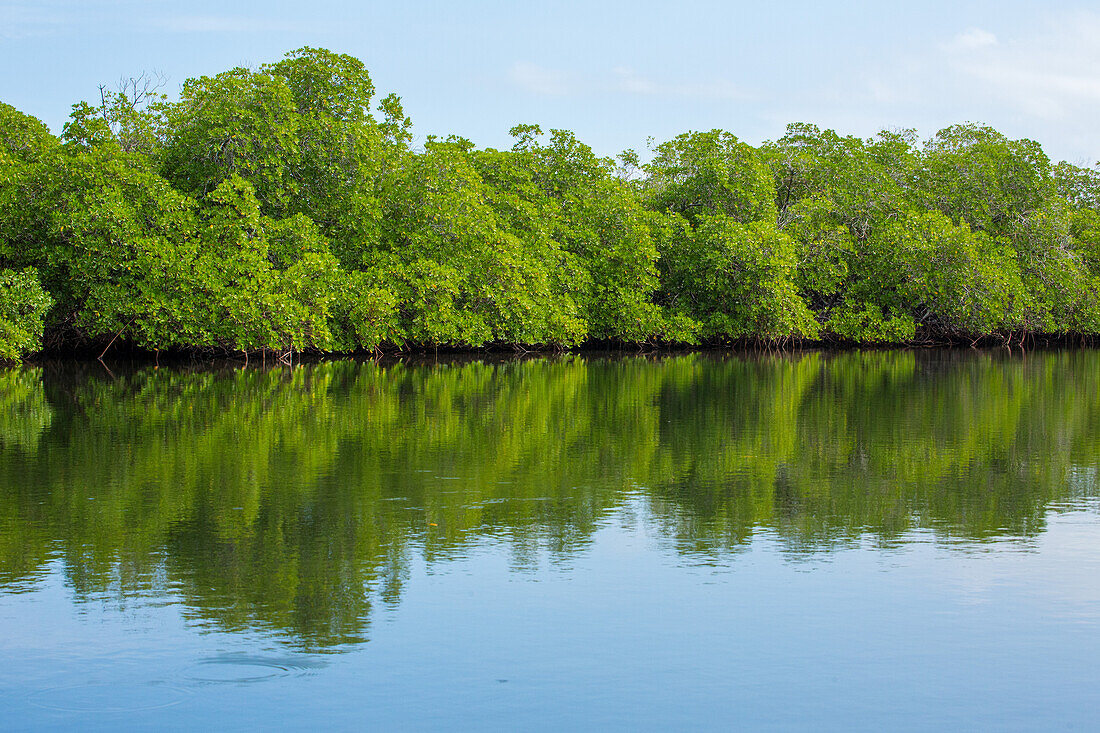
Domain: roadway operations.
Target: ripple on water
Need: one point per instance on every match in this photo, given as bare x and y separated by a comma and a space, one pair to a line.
241, 668
108, 698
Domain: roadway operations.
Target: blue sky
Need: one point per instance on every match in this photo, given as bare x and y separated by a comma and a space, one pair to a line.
615, 73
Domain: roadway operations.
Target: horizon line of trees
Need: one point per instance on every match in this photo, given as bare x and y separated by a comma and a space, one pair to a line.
285, 209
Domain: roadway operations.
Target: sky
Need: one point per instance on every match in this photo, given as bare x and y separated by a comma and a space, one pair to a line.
615, 73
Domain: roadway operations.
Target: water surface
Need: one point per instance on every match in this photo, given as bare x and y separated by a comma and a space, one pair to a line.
856, 541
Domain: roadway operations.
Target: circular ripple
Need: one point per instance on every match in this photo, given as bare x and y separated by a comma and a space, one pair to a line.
108, 698
236, 669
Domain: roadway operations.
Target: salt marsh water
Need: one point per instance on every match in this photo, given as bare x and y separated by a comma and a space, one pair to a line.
868, 540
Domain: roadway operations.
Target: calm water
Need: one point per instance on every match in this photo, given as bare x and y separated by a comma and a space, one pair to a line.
860, 541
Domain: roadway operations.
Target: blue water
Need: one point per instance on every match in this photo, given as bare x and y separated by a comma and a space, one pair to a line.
837, 542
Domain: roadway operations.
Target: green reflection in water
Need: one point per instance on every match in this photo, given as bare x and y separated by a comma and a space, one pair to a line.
293, 500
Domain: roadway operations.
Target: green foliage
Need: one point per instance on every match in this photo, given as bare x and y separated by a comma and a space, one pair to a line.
23, 306
237, 123
949, 280
831, 192
23, 138
132, 118
977, 175
465, 276
29, 160
276, 209
341, 154
724, 264
735, 280
866, 323
140, 261
855, 181
365, 313
701, 173
563, 191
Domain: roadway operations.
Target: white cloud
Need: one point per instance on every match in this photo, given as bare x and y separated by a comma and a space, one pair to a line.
629, 81
973, 38
227, 24
29, 19
22, 20
622, 79
538, 80
1042, 83
1052, 74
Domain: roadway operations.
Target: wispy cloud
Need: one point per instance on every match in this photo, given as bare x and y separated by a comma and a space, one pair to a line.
622, 79
23, 20
539, 80
1042, 83
629, 81
228, 24
1051, 74
973, 38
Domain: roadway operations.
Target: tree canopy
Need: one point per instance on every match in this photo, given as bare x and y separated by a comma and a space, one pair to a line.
286, 208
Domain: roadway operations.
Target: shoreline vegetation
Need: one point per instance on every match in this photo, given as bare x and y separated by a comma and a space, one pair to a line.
285, 210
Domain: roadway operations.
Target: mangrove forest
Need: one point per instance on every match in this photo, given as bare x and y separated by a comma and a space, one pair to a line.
289, 209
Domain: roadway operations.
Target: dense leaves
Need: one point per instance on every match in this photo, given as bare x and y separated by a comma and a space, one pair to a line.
23, 305
274, 209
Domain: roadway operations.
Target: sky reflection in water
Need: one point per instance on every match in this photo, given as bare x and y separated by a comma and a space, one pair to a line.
853, 540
